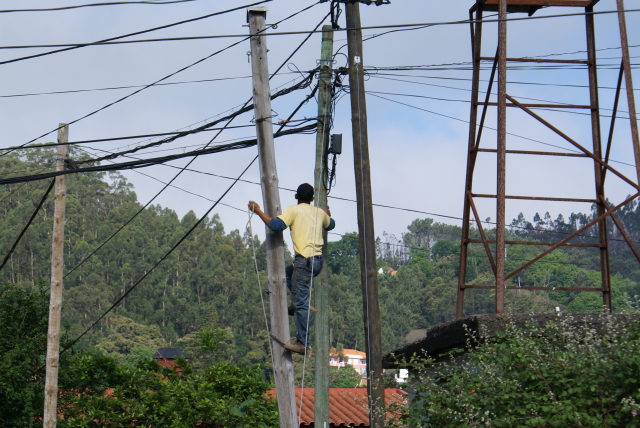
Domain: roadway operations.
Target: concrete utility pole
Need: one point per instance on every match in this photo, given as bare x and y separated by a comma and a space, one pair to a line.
282, 365
321, 289
55, 305
626, 65
368, 273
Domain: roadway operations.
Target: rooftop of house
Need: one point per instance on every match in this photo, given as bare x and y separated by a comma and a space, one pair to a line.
352, 353
169, 354
347, 406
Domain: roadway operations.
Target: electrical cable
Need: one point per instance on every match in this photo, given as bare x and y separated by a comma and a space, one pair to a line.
73, 91
160, 80
287, 33
130, 137
352, 200
484, 80
482, 92
393, 207
142, 163
101, 42
559, 108
24, 229
210, 141
97, 4
23, 184
493, 129
301, 85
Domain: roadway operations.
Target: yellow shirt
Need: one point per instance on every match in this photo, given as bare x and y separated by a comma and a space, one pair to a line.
306, 223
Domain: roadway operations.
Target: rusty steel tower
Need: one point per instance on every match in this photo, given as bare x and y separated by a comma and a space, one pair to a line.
591, 151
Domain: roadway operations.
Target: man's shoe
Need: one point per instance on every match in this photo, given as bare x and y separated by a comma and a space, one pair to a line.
297, 347
292, 310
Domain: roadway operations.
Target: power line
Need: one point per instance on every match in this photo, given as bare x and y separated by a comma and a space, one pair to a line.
174, 135
484, 80
24, 229
488, 127
82, 45
483, 92
130, 137
558, 109
300, 85
157, 81
72, 91
143, 163
97, 4
214, 137
287, 33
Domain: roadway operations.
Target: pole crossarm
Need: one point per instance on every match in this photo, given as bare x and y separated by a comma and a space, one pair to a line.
575, 143
485, 242
620, 228
609, 212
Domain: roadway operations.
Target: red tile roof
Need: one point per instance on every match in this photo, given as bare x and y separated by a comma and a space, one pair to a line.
347, 406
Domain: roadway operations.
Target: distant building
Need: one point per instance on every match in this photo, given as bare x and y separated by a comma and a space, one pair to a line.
387, 271
356, 359
167, 356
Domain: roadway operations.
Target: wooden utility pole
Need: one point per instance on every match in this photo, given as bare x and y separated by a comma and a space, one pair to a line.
367, 237
55, 304
282, 365
321, 286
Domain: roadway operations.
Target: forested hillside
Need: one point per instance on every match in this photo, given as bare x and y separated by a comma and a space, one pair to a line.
209, 283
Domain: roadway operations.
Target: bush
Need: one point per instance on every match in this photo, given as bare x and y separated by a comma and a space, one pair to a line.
556, 376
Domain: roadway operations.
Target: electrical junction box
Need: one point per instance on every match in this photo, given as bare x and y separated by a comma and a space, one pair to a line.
336, 144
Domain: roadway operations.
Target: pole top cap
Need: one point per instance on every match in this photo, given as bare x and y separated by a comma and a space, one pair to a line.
256, 9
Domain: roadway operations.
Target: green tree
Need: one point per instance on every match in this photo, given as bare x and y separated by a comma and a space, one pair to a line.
344, 377
23, 339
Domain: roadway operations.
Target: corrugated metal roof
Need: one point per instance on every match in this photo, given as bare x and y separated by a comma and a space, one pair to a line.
347, 406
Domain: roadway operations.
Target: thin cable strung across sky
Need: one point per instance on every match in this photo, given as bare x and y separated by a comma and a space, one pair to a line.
82, 45
119, 3
289, 33
154, 83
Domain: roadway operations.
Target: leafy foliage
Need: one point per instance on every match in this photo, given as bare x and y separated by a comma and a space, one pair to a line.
150, 395
23, 341
556, 376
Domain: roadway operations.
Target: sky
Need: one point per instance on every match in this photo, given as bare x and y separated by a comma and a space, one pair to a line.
418, 151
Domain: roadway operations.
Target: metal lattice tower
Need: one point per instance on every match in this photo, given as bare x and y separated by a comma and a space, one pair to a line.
593, 154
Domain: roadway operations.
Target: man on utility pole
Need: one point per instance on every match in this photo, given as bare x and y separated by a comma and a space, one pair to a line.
55, 303
306, 224
282, 364
368, 271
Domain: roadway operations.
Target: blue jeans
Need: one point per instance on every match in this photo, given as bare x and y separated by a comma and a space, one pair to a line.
299, 282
